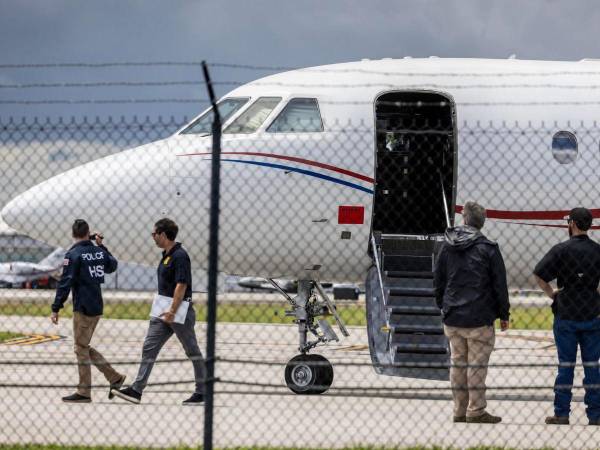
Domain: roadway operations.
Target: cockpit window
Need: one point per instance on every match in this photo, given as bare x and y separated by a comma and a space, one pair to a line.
203, 124
251, 119
299, 115
564, 147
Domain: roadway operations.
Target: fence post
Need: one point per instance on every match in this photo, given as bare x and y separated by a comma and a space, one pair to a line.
213, 260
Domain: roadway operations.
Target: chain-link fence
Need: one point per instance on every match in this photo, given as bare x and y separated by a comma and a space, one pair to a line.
335, 260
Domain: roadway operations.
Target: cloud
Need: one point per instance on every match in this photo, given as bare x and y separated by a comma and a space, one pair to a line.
268, 32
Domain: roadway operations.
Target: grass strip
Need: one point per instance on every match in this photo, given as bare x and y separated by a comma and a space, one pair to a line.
522, 318
6, 335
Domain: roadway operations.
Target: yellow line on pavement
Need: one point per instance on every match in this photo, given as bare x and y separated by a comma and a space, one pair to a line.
32, 339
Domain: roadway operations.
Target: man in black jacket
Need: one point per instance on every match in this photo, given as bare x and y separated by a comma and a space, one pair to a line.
84, 267
471, 291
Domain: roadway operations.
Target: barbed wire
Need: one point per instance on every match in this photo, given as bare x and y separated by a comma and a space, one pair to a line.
90, 84
323, 102
95, 84
320, 69
108, 64
101, 102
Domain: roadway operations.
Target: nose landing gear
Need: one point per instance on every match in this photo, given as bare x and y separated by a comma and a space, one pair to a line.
311, 374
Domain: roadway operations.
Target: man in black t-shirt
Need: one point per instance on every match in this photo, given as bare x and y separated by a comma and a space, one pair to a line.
575, 265
175, 281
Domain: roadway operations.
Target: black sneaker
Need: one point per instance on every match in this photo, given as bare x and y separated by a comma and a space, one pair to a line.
195, 399
76, 398
129, 394
594, 422
115, 386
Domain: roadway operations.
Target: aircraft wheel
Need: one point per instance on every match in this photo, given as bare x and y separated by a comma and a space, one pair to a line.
324, 373
308, 374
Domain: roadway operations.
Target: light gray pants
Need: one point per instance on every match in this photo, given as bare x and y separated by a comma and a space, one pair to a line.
159, 332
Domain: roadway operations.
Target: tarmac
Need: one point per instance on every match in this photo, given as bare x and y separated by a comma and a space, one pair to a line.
46, 296
252, 405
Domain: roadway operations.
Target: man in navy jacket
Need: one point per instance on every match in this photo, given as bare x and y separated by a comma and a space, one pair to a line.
84, 267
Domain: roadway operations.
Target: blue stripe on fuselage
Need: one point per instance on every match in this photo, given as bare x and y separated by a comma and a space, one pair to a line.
304, 172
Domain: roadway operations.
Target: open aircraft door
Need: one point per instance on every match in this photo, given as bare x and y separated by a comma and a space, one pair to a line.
414, 201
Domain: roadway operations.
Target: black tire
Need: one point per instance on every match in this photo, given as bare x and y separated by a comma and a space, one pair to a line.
324, 373
308, 374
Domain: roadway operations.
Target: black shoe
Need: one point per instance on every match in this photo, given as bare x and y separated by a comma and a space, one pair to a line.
594, 422
557, 420
195, 399
459, 419
115, 386
129, 394
76, 398
484, 418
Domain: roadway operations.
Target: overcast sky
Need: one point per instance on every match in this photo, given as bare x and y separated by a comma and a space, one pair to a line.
294, 33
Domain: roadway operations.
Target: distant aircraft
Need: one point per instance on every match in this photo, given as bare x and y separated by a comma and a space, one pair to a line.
340, 291
313, 162
289, 286
20, 272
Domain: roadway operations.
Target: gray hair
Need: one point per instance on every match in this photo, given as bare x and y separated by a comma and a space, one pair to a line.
474, 215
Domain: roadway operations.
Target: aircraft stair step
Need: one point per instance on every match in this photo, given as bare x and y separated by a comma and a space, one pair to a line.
417, 302
416, 323
393, 245
419, 343
430, 360
410, 263
401, 291
408, 274
415, 309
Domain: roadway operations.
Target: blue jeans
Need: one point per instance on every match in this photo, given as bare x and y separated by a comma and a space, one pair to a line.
567, 335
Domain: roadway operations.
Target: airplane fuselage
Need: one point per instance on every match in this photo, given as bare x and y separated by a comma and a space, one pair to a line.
281, 192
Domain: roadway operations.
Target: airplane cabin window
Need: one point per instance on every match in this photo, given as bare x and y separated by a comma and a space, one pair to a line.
564, 147
299, 115
203, 124
251, 119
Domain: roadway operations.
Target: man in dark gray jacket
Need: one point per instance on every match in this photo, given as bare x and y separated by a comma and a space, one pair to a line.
471, 291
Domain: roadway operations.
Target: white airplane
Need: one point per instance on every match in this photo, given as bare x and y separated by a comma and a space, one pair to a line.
350, 172
20, 272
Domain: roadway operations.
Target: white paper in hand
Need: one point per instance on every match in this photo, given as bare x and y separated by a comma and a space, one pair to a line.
162, 304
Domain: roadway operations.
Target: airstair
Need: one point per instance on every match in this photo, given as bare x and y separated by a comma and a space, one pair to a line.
406, 334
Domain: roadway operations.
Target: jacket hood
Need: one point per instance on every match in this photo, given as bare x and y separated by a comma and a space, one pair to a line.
462, 237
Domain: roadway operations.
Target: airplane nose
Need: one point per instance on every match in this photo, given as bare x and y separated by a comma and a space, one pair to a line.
106, 193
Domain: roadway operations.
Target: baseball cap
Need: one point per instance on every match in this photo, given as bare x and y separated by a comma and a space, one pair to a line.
582, 218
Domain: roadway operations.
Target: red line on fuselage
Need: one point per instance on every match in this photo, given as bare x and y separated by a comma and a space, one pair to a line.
548, 225
491, 213
528, 215
298, 160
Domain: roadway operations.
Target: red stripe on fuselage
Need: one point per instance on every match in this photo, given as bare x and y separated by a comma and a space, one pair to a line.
528, 215
298, 160
491, 213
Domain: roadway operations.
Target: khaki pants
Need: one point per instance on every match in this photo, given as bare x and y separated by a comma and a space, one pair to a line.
83, 330
470, 353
